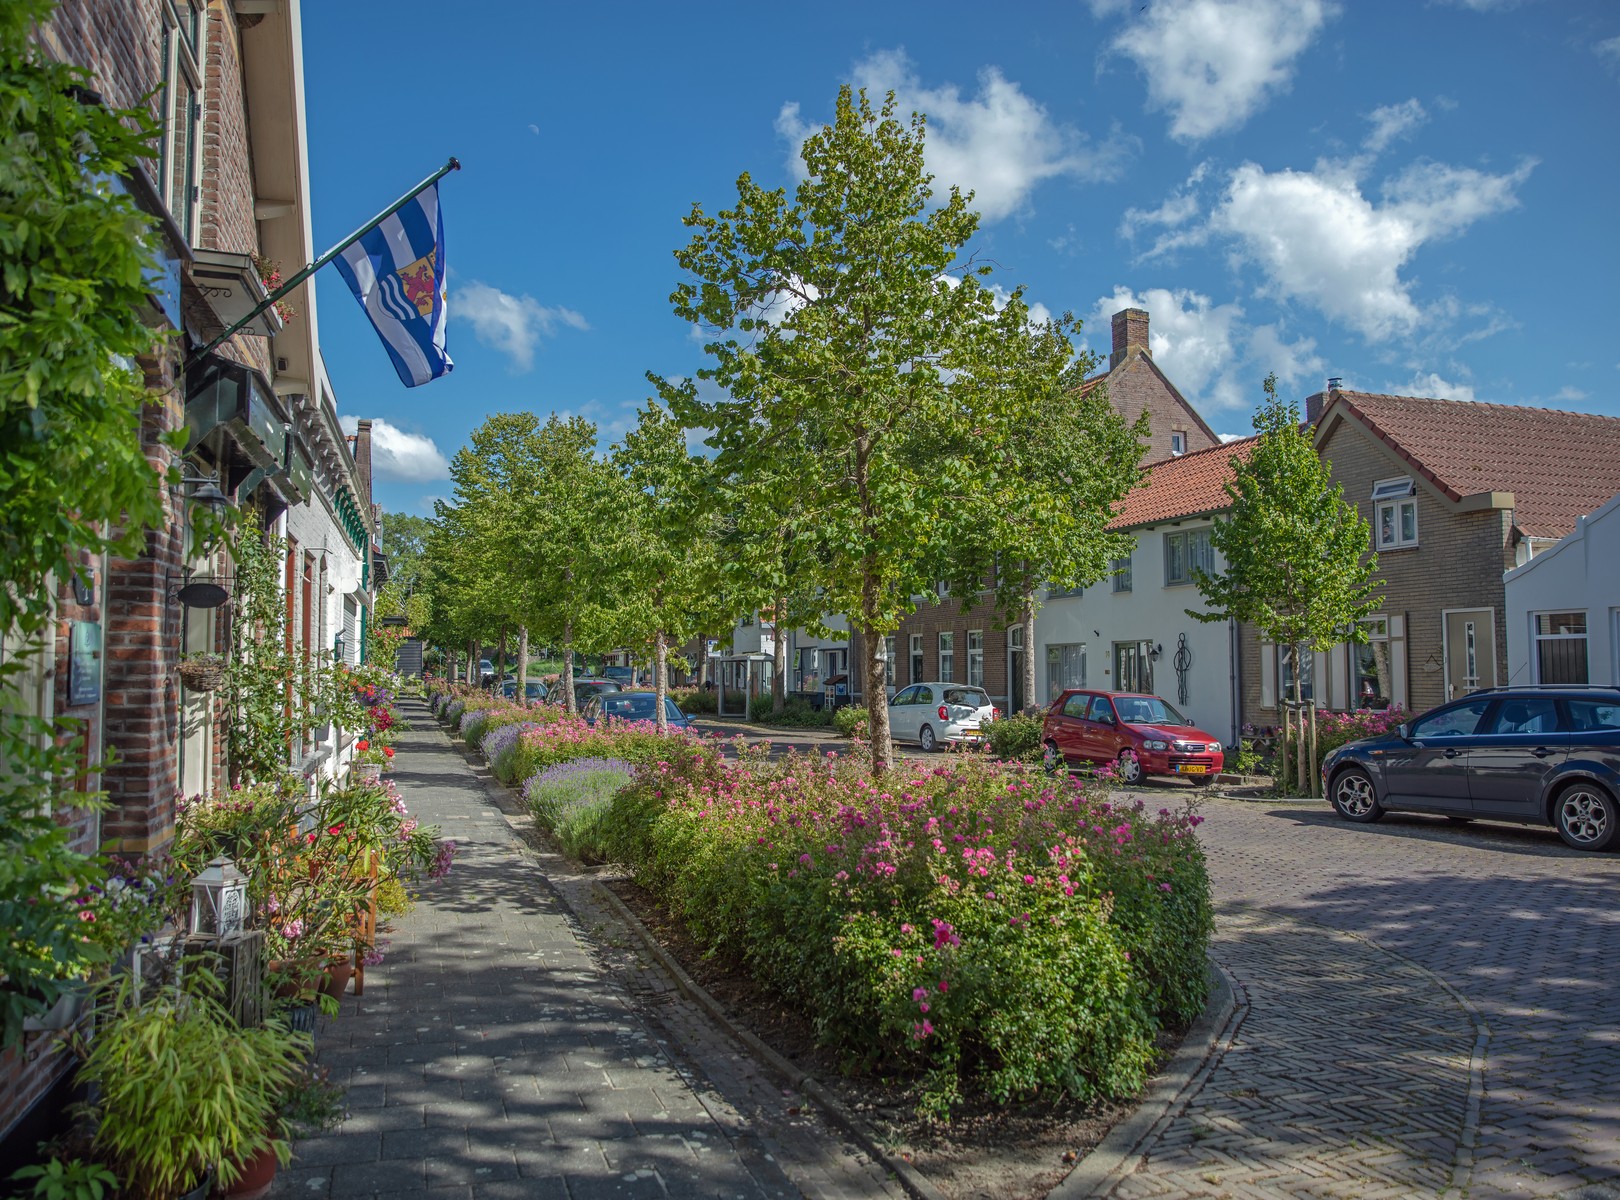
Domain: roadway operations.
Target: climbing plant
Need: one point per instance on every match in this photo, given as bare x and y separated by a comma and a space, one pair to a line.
264, 700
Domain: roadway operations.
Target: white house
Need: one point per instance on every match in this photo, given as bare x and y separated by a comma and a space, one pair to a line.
1131, 632
1563, 606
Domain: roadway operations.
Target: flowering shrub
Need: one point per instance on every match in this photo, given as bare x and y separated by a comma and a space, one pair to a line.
570, 802
500, 743
566, 738
1334, 729
1021, 933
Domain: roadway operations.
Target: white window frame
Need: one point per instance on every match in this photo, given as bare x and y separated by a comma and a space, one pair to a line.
888, 664
1178, 442
183, 55
1537, 637
1393, 496
947, 657
1121, 567
916, 664
1185, 538
975, 658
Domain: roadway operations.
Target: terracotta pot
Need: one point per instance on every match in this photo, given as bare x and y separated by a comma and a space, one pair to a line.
258, 1173
337, 978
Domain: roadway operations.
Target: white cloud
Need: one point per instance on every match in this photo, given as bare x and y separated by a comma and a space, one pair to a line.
511, 324
1428, 383
1291, 361
1193, 340
998, 143
1573, 395
1393, 121
1175, 216
1232, 437
1213, 64
395, 454
1484, 5
1609, 51
534, 128
1317, 238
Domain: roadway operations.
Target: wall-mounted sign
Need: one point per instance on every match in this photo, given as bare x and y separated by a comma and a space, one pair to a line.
84, 663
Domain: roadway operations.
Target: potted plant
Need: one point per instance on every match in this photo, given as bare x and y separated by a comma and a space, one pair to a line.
203, 672
185, 1098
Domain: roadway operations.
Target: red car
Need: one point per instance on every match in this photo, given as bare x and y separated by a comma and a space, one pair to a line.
1139, 735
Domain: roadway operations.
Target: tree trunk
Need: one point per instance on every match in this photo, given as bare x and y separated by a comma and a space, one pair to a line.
1028, 622
569, 702
472, 660
876, 690
523, 665
778, 661
500, 661
703, 661
661, 679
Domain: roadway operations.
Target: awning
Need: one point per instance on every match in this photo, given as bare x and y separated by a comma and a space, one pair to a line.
219, 393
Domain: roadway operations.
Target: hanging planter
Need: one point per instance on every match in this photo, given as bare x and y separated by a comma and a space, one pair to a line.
203, 672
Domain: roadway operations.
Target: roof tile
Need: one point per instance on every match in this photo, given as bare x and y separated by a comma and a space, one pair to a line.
1186, 486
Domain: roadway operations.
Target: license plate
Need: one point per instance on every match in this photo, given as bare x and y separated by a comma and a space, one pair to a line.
1192, 769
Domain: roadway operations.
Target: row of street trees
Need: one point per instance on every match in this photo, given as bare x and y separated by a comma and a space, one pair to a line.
876, 418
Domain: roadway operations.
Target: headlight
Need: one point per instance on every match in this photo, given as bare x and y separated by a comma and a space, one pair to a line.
1155, 744
1214, 747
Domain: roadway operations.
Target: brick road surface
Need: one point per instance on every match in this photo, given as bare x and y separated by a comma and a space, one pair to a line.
1427, 1010
498, 1053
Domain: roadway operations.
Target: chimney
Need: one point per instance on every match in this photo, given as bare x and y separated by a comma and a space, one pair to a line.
1314, 405
1130, 333
362, 459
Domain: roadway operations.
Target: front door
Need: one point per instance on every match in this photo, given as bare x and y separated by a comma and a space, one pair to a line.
1470, 651
1517, 748
1430, 770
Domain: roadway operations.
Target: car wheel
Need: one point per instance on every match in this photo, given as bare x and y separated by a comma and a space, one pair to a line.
926, 739
1205, 780
1051, 758
1586, 817
1354, 797
1128, 767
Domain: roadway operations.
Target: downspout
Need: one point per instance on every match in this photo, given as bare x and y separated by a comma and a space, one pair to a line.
1237, 686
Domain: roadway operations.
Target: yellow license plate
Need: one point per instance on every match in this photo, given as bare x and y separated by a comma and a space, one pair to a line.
1192, 768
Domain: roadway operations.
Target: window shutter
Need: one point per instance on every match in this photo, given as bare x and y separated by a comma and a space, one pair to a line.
1324, 681
1268, 675
1397, 661
1340, 658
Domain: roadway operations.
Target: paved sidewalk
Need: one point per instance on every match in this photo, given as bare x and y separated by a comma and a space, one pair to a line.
491, 1055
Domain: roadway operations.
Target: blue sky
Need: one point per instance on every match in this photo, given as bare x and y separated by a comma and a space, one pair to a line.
1416, 196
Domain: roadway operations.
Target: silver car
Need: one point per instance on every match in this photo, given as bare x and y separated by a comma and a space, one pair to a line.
939, 714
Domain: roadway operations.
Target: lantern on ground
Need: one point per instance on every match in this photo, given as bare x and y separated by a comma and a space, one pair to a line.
219, 899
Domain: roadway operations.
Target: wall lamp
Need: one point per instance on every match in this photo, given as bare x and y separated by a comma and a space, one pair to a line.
207, 493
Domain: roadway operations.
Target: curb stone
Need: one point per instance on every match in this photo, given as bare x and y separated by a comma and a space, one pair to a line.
1207, 1041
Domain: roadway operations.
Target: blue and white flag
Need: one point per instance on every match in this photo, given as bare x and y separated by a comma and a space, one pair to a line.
396, 271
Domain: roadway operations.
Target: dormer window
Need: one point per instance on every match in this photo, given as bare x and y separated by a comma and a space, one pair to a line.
1178, 442
1394, 513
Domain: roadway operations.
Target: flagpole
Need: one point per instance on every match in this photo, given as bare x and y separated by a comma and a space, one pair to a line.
452, 165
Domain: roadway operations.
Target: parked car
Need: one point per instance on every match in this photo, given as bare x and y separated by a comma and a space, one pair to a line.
632, 706
534, 692
585, 687
625, 675
939, 714
486, 672
1139, 735
1539, 755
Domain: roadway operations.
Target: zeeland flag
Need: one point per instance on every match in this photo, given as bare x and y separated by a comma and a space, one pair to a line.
396, 271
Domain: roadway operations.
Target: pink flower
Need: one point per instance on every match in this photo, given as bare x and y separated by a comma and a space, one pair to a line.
293, 929
919, 994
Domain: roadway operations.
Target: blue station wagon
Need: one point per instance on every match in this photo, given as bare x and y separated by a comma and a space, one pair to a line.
1535, 755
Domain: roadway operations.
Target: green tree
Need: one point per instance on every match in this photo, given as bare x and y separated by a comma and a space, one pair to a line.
1058, 458
1298, 564
404, 540
845, 320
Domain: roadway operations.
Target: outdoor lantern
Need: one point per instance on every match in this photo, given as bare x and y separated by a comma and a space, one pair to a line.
210, 497
219, 899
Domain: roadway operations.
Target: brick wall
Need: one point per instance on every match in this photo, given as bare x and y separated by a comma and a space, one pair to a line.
1457, 564
1136, 387
946, 616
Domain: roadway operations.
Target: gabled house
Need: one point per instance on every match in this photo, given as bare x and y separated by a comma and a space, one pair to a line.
941, 640
1456, 493
1131, 631
1563, 607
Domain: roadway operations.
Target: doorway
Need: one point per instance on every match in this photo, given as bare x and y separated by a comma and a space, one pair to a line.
1470, 650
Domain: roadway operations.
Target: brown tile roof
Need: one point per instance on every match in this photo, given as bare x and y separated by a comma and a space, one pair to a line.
1188, 486
1557, 464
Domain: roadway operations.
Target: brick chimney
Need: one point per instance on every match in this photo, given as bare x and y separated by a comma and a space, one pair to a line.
1130, 333
1317, 404
362, 459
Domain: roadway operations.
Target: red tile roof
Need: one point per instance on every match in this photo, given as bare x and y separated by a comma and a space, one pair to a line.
1557, 464
1187, 486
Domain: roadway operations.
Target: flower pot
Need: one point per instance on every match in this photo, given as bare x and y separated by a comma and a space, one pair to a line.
200, 1192
203, 673
61, 1015
336, 981
258, 1173
367, 772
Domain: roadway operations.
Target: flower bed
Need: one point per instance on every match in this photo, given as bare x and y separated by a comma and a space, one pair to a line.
571, 801
978, 928
566, 738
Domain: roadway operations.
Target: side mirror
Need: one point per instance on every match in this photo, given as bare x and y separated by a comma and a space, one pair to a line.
1404, 731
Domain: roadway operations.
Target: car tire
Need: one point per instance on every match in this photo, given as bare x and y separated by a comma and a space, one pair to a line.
1205, 780
926, 739
1052, 758
1586, 817
1128, 767
1354, 798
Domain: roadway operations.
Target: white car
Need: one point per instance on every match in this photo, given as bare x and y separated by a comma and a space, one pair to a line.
939, 714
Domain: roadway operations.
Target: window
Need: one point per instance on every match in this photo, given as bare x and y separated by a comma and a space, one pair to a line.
1560, 647
1065, 668
1102, 709
805, 676
1535, 714
1076, 705
947, 657
1178, 442
923, 695
1590, 716
1015, 669
1395, 511
1133, 670
1458, 721
1121, 567
1287, 658
1185, 554
888, 661
907, 696
1373, 683
916, 657
180, 108
975, 663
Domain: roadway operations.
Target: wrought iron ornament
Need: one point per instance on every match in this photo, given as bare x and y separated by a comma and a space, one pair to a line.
1182, 662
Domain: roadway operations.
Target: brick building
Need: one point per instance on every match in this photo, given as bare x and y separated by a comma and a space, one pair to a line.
974, 644
1456, 493
229, 193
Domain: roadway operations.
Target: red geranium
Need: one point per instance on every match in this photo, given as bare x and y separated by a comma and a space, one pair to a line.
389, 751
362, 744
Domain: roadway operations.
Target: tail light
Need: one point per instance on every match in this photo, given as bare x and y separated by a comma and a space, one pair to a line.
995, 714
943, 714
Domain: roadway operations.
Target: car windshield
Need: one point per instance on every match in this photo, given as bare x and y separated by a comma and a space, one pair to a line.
967, 697
1146, 710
